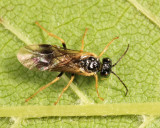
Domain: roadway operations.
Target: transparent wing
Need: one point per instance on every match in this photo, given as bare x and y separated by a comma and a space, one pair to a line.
50, 57
38, 56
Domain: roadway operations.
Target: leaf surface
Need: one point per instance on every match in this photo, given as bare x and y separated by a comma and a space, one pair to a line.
139, 69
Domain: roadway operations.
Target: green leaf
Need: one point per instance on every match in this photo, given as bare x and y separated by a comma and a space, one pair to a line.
135, 22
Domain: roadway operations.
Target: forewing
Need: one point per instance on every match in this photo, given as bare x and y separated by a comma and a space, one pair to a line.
38, 56
70, 61
50, 57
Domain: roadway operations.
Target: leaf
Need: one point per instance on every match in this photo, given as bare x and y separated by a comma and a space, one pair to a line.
139, 69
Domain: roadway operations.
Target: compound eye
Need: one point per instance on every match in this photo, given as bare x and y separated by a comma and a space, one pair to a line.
107, 74
107, 60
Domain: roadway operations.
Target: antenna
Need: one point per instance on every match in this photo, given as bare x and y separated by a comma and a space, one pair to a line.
121, 56
121, 82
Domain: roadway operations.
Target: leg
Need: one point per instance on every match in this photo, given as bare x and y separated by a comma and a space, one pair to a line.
107, 47
64, 89
96, 78
47, 85
50, 34
83, 39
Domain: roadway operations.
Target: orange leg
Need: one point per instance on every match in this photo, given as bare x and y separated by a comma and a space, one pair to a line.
50, 34
107, 47
96, 78
82, 47
64, 89
44, 87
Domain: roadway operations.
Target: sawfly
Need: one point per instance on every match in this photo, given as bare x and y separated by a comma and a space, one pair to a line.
46, 57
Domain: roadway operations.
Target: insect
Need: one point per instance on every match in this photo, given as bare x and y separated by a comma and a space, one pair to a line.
53, 58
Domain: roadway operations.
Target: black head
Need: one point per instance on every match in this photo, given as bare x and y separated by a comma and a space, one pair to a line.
106, 67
